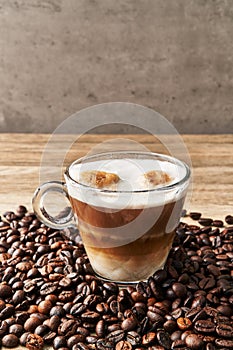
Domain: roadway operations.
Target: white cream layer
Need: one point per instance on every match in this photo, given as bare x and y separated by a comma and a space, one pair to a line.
131, 173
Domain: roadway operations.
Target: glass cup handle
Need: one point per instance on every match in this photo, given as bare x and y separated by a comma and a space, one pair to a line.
65, 217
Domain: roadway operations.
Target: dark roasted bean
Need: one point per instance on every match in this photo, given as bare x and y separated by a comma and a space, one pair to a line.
224, 330
229, 219
10, 341
204, 326
224, 344
194, 342
205, 221
195, 215
116, 336
164, 339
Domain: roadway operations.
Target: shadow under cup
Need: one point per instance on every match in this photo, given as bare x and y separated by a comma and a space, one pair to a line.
128, 234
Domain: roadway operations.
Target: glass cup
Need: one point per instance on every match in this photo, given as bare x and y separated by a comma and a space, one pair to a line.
127, 230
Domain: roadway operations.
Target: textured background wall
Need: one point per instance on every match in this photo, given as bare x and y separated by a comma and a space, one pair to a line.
59, 56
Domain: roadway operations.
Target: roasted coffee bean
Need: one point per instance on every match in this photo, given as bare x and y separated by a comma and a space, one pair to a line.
133, 338
5, 291
148, 338
164, 339
41, 330
31, 324
224, 330
129, 324
8, 311
57, 311
218, 223
184, 323
225, 310
179, 289
100, 328
204, 326
90, 316
68, 328
75, 339
116, 336
59, 341
195, 215
229, 219
123, 345
103, 344
23, 338
34, 342
170, 326
44, 307
178, 344
205, 221
48, 288
194, 342
10, 341
16, 329
224, 344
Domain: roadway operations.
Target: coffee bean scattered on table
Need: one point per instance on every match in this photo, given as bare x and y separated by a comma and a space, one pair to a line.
49, 294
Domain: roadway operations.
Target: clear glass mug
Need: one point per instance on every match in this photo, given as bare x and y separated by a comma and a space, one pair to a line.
127, 233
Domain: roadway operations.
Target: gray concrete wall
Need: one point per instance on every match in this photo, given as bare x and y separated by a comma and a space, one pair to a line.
59, 56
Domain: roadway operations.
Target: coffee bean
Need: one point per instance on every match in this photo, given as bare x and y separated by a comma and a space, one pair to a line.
123, 345
16, 329
34, 342
194, 342
170, 326
129, 324
178, 344
164, 339
90, 316
100, 328
59, 341
224, 330
10, 341
218, 223
205, 221
31, 324
229, 219
45, 306
224, 343
195, 215
184, 323
179, 289
204, 326
57, 311
23, 338
148, 338
103, 344
5, 291
116, 336
68, 328
225, 310
133, 338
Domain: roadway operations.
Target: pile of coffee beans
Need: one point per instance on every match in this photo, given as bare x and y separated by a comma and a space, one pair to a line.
49, 294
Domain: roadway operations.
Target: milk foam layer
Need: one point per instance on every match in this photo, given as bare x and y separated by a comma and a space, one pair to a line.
131, 173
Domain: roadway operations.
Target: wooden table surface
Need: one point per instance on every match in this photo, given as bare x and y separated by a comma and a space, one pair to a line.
212, 167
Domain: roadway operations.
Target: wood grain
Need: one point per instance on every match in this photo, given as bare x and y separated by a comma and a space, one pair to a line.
211, 155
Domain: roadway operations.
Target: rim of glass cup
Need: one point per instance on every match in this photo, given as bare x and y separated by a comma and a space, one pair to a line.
159, 156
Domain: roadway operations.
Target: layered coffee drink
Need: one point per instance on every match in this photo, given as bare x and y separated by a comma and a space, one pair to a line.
127, 210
